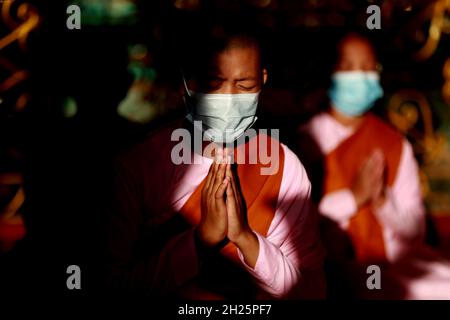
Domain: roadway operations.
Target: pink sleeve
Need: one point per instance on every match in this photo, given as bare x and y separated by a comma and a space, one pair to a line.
403, 214
291, 254
339, 206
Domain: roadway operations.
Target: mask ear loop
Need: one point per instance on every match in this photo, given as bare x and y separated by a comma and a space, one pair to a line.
188, 106
188, 93
185, 84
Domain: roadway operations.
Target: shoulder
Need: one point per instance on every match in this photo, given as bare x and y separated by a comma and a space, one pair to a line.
408, 158
291, 161
294, 173
320, 135
385, 128
407, 148
315, 124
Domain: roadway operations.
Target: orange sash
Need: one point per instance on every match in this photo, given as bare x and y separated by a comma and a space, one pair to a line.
261, 196
341, 167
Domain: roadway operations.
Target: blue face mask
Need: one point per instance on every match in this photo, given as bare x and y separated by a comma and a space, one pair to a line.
354, 92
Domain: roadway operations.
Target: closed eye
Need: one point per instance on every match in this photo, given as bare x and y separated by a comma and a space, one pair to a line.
247, 84
212, 83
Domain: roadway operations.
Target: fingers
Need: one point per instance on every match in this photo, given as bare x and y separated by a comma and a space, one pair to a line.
222, 188
369, 182
378, 155
234, 187
217, 161
233, 192
231, 201
209, 177
375, 174
221, 184
212, 183
219, 175
378, 189
230, 191
378, 174
228, 171
374, 165
230, 174
366, 168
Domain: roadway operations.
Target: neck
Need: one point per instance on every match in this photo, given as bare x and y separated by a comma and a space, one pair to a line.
345, 120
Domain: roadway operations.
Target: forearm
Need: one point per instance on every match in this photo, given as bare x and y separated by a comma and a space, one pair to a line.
273, 271
248, 245
338, 206
406, 220
290, 253
402, 210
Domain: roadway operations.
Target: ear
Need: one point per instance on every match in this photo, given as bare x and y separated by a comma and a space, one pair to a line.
264, 76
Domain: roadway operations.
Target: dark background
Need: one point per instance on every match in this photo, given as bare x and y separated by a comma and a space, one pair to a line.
66, 161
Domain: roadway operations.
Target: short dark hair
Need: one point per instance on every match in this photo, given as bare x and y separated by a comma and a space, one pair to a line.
355, 33
212, 38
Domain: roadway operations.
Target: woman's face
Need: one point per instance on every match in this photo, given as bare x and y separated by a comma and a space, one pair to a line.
356, 54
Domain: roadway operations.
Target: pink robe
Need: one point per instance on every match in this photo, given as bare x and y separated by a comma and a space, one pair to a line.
402, 218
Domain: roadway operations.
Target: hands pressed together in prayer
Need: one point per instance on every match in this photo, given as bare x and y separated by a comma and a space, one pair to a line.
369, 185
223, 210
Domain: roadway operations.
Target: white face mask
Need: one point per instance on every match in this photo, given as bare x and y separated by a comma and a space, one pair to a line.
224, 117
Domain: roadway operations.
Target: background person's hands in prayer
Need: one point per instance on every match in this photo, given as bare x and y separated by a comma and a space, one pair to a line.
369, 184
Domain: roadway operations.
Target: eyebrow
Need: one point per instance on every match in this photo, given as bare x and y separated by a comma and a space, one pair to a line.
247, 78
239, 79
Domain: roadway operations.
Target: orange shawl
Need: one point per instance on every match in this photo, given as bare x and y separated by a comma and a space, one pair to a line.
261, 196
341, 167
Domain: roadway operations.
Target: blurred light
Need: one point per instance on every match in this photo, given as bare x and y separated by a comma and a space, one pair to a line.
135, 107
434, 32
138, 51
28, 20
446, 87
22, 102
446, 92
335, 19
69, 107
446, 71
122, 8
140, 63
261, 3
112, 12
187, 4
311, 21
13, 80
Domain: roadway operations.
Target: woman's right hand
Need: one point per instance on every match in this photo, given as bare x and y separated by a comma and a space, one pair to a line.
369, 183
